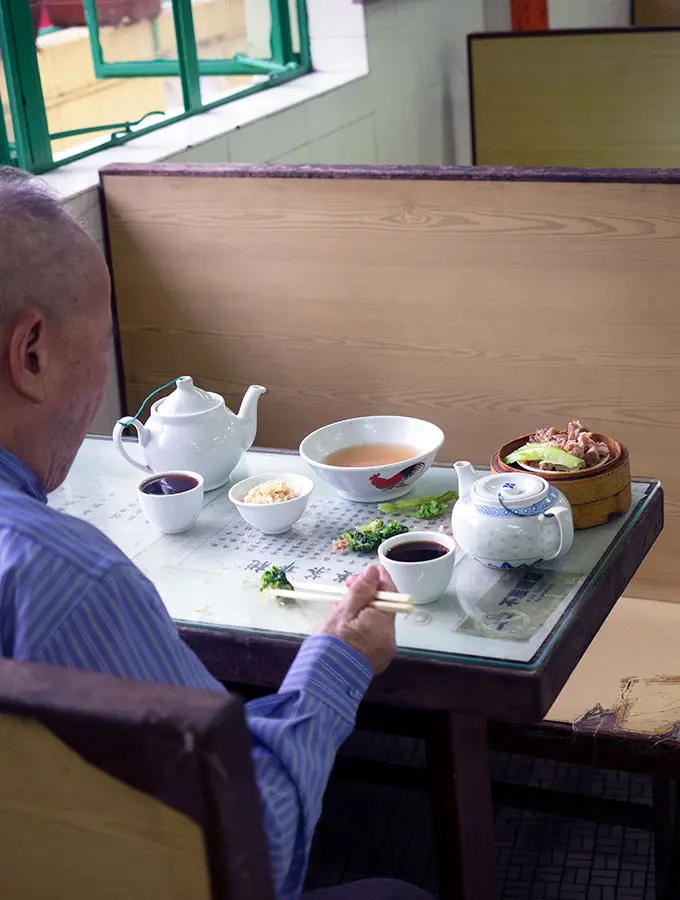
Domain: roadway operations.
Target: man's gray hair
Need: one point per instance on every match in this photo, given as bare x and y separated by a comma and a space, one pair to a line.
41, 259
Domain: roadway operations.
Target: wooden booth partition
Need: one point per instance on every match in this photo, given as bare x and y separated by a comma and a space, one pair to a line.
576, 98
490, 301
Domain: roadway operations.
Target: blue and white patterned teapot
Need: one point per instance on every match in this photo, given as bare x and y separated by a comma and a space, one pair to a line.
510, 521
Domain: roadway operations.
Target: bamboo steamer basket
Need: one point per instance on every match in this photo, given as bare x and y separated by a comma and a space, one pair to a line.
595, 496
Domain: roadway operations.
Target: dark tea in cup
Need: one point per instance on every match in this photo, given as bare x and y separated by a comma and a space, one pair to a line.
420, 563
165, 485
417, 551
172, 501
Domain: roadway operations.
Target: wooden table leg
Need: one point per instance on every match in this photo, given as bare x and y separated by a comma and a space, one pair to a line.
462, 810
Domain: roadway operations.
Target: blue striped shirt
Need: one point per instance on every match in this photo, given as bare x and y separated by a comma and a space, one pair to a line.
70, 597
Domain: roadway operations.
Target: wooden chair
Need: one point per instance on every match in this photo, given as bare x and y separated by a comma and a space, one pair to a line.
116, 789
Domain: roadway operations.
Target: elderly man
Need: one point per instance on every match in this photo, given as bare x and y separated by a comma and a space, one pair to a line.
70, 597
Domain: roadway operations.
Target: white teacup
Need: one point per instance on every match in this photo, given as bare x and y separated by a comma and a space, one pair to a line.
424, 579
172, 501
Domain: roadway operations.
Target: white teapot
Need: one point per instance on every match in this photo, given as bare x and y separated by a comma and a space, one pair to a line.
193, 430
510, 521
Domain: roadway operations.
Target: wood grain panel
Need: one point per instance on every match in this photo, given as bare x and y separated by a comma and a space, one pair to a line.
656, 12
613, 659
577, 99
65, 824
489, 308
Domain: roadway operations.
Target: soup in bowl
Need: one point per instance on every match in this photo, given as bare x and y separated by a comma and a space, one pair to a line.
374, 458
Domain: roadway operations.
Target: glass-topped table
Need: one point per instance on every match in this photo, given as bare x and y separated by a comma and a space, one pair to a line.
495, 646
209, 577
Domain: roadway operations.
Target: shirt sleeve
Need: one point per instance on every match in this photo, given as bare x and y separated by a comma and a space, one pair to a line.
296, 735
120, 627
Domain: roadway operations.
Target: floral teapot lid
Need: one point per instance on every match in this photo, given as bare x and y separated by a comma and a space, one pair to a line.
518, 493
186, 400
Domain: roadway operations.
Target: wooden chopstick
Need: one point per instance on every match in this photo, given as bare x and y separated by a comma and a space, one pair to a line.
401, 606
338, 590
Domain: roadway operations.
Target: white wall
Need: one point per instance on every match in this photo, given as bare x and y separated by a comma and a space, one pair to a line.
589, 13
401, 112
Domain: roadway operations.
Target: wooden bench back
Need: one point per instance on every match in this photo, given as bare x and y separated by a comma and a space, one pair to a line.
113, 789
488, 301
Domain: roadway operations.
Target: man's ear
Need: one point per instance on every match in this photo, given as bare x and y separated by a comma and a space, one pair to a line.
28, 357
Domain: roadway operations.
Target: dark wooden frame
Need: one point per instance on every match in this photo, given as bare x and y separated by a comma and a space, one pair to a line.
397, 173
137, 732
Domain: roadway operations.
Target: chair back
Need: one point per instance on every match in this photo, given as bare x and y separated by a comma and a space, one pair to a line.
115, 789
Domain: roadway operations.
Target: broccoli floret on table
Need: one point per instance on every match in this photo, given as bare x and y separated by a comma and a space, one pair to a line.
276, 579
367, 538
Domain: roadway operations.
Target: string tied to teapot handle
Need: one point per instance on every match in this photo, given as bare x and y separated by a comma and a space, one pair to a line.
127, 421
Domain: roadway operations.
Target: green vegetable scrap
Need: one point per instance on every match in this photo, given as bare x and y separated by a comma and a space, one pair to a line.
367, 538
276, 579
431, 509
544, 453
420, 507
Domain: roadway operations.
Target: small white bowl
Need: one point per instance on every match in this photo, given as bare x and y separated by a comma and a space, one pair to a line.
373, 484
272, 518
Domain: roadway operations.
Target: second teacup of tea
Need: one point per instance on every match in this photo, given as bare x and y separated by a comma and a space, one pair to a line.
172, 501
420, 563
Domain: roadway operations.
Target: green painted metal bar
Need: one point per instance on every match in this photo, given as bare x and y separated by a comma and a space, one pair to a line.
188, 67
5, 152
115, 127
92, 22
281, 38
20, 60
168, 68
117, 139
305, 55
187, 55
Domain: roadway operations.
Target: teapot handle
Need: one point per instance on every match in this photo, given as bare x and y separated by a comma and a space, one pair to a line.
565, 523
142, 436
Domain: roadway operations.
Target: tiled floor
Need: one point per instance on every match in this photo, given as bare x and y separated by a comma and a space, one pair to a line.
368, 830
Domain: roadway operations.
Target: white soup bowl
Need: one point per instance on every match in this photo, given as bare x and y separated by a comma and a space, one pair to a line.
373, 484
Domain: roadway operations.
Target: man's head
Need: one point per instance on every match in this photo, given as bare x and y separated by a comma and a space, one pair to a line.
55, 328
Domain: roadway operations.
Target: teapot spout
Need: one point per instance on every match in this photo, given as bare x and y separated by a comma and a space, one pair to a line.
466, 477
247, 414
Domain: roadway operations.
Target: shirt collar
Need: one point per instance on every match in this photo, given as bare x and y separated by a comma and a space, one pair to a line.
19, 476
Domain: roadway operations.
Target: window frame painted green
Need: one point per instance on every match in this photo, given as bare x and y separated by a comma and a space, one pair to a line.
31, 147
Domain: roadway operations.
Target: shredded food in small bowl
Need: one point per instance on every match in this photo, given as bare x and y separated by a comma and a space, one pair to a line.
269, 492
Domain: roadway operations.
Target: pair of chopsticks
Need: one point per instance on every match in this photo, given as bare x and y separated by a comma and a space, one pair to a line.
387, 601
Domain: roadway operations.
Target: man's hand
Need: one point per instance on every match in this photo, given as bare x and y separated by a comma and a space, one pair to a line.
368, 630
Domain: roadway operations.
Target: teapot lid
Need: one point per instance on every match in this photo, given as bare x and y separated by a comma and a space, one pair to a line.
519, 489
187, 399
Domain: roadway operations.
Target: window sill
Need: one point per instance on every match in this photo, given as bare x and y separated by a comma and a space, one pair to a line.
165, 144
